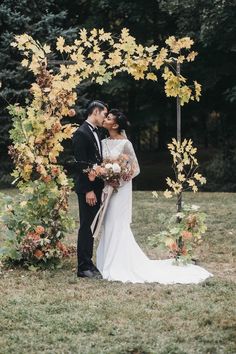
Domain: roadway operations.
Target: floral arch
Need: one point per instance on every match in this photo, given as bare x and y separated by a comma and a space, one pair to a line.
37, 221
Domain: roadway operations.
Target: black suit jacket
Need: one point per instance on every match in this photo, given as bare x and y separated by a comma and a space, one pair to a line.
87, 154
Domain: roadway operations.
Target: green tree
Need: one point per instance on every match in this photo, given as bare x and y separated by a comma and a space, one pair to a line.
212, 25
44, 20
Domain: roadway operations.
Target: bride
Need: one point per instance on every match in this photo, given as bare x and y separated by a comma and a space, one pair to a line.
119, 257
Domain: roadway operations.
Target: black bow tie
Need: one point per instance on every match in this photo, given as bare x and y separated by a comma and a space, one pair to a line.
94, 129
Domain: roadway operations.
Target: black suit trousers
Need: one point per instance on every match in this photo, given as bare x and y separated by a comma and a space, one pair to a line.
85, 238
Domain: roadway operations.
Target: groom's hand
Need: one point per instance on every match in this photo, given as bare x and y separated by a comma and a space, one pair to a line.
91, 198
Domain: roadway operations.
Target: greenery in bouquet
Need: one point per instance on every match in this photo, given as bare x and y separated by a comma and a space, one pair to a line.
182, 237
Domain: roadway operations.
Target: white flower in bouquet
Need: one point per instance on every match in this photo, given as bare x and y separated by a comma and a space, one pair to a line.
108, 166
116, 168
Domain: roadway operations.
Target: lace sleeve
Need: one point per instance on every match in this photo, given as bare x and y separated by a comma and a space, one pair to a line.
129, 150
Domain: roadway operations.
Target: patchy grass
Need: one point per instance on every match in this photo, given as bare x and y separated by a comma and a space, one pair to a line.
54, 312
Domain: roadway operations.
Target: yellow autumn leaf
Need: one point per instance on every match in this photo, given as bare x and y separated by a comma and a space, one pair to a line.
169, 181
160, 59
191, 182
185, 42
154, 194
191, 56
177, 187
197, 176
167, 194
83, 35
193, 151
114, 59
180, 59
60, 44
181, 177
171, 41
47, 49
94, 32
62, 179
180, 167
171, 147
104, 36
198, 89
151, 76
25, 62
151, 49
203, 180
27, 168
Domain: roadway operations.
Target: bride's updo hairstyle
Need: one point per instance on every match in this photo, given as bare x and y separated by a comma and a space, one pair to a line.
120, 119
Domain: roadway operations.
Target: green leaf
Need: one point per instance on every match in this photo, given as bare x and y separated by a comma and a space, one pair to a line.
33, 268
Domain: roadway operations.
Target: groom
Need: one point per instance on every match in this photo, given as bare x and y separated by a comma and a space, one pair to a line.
88, 151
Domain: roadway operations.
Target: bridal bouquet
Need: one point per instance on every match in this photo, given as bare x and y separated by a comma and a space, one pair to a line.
112, 171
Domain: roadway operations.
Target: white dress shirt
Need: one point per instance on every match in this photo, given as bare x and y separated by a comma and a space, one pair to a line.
92, 126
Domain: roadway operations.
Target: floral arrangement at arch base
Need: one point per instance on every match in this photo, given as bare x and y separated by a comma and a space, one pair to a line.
182, 237
34, 224
185, 229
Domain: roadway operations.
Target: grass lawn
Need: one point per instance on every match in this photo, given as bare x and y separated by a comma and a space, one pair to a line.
54, 312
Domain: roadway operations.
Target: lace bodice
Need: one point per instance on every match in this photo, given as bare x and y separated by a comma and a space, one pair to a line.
112, 148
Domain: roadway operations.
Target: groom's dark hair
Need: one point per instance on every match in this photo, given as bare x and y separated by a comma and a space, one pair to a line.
96, 104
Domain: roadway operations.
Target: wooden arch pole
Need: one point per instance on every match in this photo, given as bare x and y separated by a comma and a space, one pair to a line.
178, 108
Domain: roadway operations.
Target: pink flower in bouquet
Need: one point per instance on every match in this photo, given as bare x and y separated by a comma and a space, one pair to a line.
112, 171
99, 170
95, 171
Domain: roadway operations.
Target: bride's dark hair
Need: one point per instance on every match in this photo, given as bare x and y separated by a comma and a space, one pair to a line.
120, 119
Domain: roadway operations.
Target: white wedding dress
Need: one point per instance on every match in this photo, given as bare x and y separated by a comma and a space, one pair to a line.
119, 257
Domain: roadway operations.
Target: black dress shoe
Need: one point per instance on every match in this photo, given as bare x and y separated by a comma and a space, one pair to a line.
96, 271
93, 274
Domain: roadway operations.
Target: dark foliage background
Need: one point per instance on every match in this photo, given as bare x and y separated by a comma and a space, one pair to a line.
210, 123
